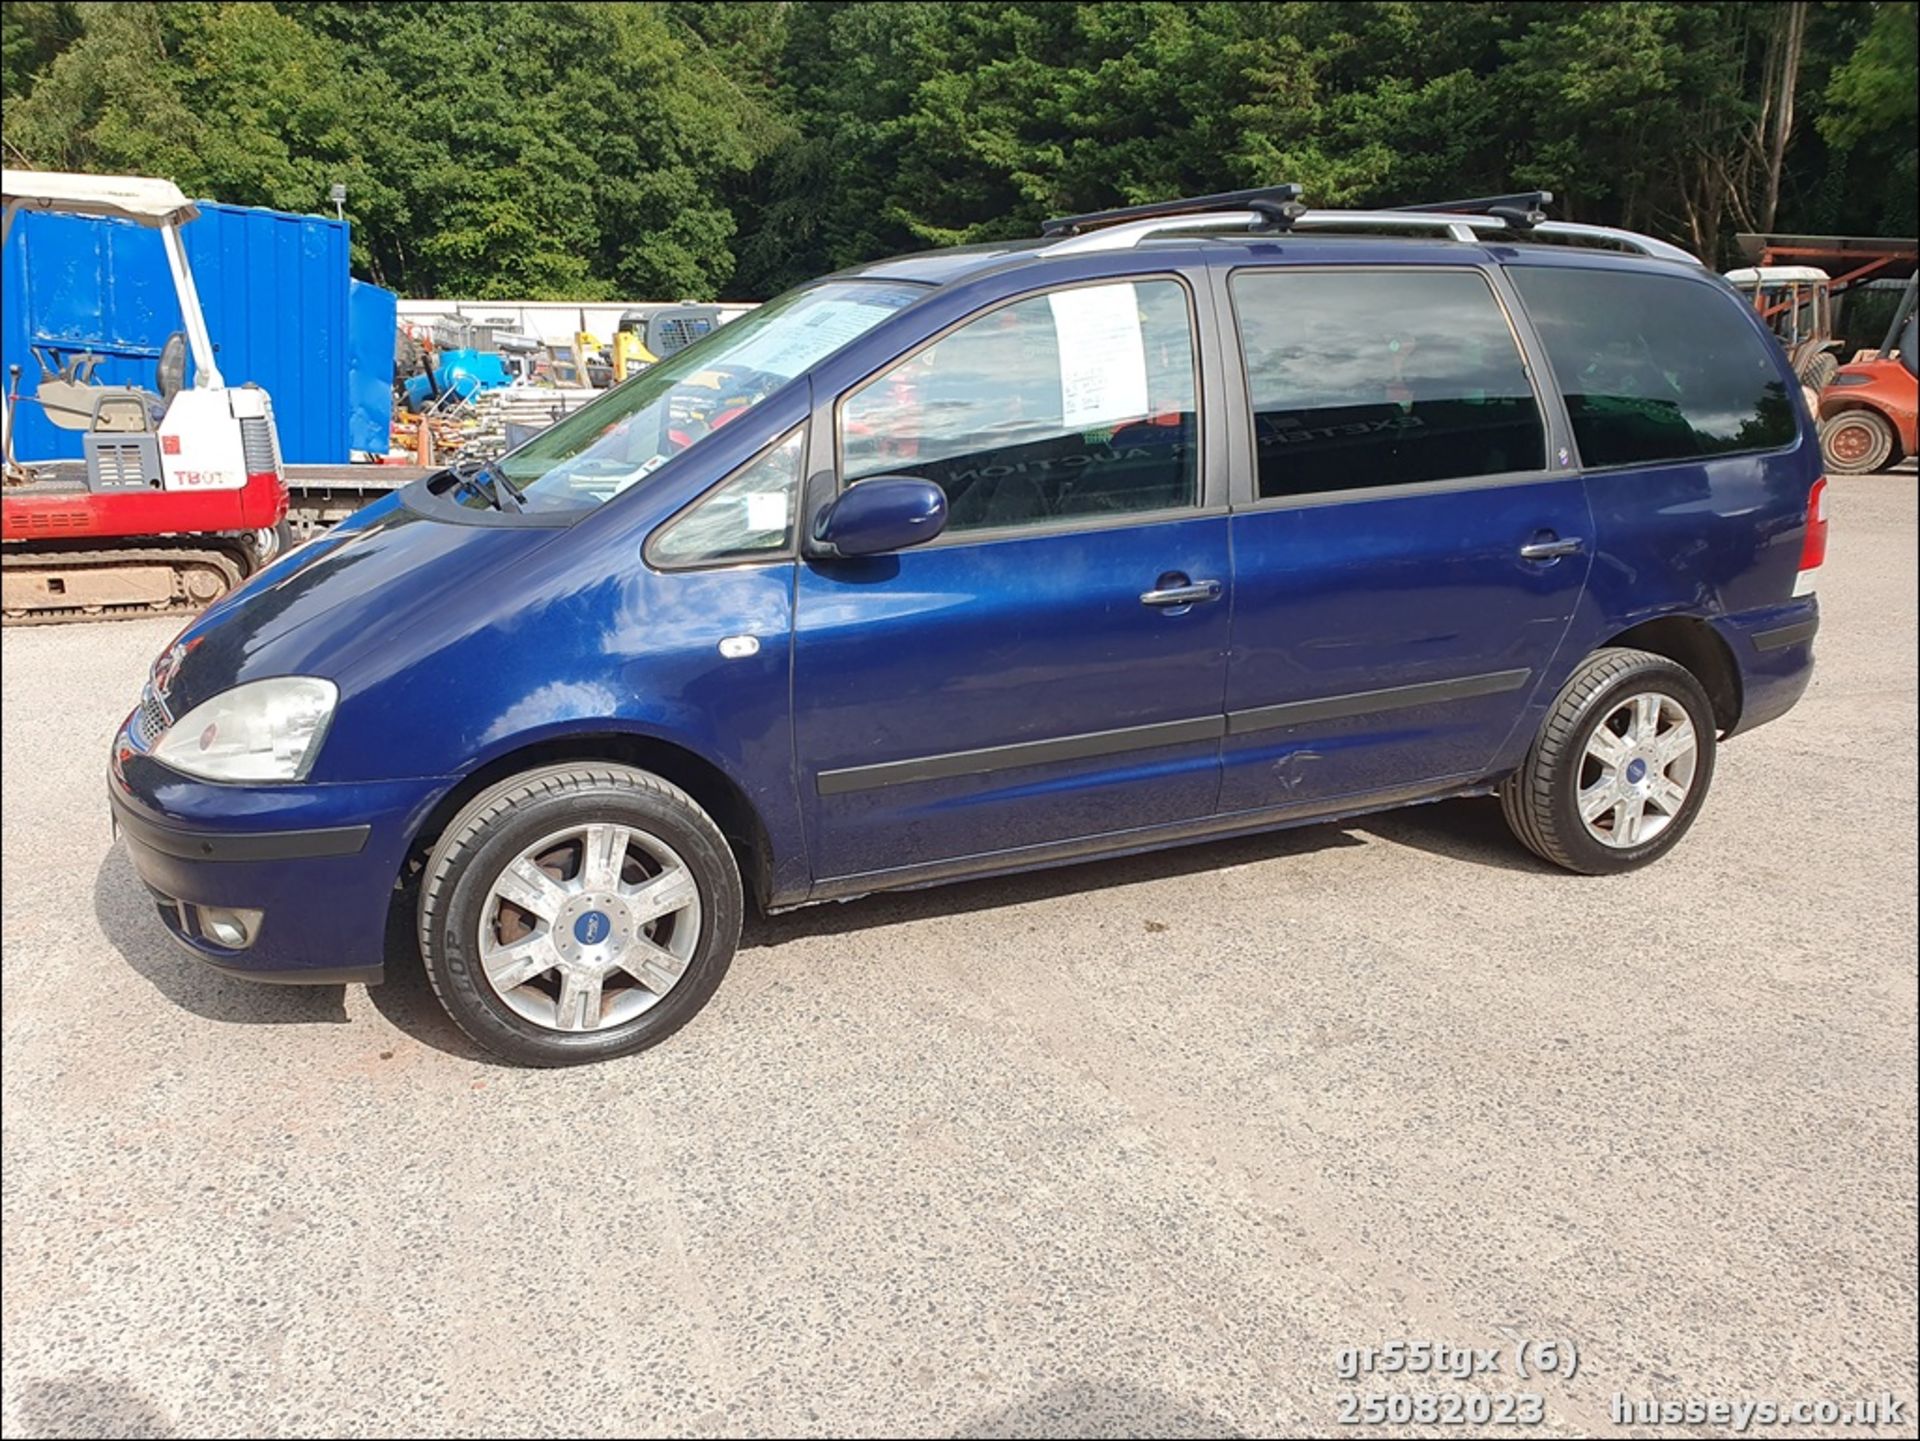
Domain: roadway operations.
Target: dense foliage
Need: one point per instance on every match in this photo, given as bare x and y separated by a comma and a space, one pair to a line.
585, 151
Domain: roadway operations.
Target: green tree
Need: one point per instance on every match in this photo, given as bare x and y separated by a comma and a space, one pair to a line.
235, 102
1870, 116
32, 35
573, 150
563, 150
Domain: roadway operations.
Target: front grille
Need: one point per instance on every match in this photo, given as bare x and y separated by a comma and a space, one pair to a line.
259, 444
151, 720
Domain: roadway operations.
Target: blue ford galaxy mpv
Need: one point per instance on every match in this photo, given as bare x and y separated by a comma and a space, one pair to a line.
1172, 523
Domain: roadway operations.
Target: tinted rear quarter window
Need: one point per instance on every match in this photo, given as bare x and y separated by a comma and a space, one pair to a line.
1656, 367
1367, 378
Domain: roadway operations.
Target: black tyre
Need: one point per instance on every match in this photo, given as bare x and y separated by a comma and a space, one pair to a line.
1818, 372
1857, 441
1620, 768
578, 912
265, 547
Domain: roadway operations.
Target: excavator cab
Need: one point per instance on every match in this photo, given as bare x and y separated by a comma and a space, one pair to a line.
73, 399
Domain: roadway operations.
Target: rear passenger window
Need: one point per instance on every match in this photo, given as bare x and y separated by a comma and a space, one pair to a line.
1371, 378
1656, 367
1078, 403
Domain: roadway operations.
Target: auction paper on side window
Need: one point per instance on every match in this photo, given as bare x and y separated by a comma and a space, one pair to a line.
1103, 361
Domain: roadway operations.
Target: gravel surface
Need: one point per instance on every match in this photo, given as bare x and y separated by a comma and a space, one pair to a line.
1135, 1147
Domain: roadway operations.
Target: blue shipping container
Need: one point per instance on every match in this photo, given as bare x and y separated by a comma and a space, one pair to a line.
275, 289
373, 316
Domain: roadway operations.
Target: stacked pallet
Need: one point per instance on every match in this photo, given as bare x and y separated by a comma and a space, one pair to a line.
484, 421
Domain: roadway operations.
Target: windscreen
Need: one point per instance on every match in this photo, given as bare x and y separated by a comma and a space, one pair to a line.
619, 440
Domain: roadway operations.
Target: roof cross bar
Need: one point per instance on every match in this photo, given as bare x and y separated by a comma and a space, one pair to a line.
1275, 202
1522, 210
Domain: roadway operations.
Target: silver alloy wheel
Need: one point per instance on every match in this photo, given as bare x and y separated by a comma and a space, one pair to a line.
1638, 770
589, 927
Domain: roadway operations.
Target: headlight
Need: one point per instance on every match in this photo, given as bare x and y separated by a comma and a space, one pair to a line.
265, 730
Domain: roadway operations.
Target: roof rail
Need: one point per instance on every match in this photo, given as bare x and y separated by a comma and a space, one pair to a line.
1278, 210
1458, 227
1628, 239
1526, 212
1268, 199
1466, 225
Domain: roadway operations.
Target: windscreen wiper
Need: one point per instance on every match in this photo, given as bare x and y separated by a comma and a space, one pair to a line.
481, 476
514, 492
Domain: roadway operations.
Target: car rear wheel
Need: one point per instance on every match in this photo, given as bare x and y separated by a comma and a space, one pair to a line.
1620, 768
577, 913
1856, 441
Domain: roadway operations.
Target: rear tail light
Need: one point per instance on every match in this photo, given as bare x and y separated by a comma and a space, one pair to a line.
1813, 550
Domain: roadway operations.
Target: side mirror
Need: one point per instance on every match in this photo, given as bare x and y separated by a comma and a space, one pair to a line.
889, 512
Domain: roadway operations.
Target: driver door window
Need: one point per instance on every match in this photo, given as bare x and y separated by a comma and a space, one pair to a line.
1077, 403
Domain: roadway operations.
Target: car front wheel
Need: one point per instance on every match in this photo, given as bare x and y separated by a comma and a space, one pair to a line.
578, 912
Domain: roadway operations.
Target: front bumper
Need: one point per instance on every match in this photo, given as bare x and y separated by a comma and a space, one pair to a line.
320, 862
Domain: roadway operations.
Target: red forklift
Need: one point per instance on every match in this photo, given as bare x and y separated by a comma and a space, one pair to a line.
1868, 410
180, 493
1806, 288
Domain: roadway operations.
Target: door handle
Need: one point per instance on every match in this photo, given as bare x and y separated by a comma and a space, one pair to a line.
1192, 593
1552, 549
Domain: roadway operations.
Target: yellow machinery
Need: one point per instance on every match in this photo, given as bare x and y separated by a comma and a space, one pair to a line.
630, 355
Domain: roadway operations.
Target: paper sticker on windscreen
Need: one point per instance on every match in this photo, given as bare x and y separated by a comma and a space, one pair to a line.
1103, 363
808, 334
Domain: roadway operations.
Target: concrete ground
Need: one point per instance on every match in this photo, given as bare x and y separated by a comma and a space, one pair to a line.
1136, 1147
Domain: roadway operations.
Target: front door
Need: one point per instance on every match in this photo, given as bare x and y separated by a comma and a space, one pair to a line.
1407, 554
1054, 666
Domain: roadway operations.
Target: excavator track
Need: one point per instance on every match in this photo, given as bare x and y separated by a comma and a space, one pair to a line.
135, 582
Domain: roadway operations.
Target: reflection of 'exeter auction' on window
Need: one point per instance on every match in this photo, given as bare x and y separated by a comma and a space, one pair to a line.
1077, 402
